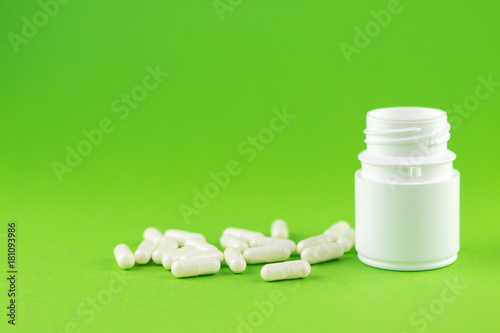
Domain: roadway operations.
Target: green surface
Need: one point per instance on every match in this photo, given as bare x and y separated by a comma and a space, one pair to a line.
225, 79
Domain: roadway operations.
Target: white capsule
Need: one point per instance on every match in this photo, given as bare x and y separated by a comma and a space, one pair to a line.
314, 241
279, 229
200, 245
321, 253
263, 241
153, 234
336, 229
144, 251
347, 239
265, 254
243, 234
124, 256
234, 259
204, 254
166, 246
174, 256
182, 235
286, 270
195, 267
230, 241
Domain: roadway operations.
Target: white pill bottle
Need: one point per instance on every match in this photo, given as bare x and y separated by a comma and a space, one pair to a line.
407, 193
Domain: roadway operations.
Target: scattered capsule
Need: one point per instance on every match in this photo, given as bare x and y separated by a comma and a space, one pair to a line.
153, 234
279, 229
166, 246
336, 229
200, 245
182, 235
347, 239
263, 241
144, 251
124, 256
243, 234
286, 270
230, 241
173, 256
234, 259
314, 241
195, 267
204, 254
265, 254
321, 253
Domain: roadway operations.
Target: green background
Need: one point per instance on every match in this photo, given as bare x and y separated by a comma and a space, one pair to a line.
225, 79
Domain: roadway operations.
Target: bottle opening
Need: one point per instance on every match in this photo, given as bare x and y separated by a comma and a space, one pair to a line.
404, 114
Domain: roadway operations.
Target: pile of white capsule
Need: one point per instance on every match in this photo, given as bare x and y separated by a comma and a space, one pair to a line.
188, 254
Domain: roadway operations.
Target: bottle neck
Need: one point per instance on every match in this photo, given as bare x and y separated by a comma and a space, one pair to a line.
402, 131
407, 144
